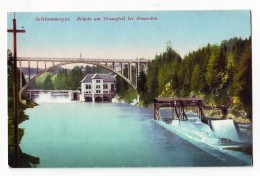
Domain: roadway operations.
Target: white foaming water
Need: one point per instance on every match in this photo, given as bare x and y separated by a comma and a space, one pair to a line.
225, 129
201, 135
48, 98
196, 130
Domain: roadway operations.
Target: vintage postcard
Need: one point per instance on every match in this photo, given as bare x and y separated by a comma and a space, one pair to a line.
129, 89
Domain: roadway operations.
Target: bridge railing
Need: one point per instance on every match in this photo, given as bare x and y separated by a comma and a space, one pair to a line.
41, 90
81, 59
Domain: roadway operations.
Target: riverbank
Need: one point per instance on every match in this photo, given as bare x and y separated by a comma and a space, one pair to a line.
25, 160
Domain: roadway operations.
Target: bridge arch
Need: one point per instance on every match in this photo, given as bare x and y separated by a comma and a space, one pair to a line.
75, 62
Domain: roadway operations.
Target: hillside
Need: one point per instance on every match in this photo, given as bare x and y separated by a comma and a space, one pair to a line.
215, 72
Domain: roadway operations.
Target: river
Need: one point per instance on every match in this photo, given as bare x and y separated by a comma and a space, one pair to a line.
80, 134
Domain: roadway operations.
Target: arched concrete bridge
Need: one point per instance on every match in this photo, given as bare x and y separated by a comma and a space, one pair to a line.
109, 64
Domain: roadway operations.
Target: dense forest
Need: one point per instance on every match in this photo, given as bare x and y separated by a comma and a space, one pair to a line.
215, 72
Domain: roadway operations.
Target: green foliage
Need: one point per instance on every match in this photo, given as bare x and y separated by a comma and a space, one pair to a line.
129, 96
160, 71
48, 85
23, 161
41, 80
10, 70
63, 78
196, 80
216, 72
10, 73
124, 90
142, 86
152, 80
243, 80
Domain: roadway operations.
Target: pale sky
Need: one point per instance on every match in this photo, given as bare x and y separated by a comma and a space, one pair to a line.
129, 39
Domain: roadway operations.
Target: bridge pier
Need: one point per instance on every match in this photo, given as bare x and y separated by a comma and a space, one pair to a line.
136, 73
121, 67
131, 71
29, 70
37, 67
129, 67
138, 68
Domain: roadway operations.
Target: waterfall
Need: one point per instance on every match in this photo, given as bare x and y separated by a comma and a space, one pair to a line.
225, 129
48, 98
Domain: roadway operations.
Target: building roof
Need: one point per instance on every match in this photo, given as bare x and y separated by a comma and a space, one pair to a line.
97, 76
105, 77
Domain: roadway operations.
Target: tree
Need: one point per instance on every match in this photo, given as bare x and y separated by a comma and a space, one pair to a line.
175, 84
152, 80
48, 83
142, 86
160, 72
124, 90
217, 77
10, 64
196, 83
10, 73
243, 80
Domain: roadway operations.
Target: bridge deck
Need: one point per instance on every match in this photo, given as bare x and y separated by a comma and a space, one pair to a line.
47, 59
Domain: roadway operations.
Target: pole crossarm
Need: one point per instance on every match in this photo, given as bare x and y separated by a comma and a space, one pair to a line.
17, 30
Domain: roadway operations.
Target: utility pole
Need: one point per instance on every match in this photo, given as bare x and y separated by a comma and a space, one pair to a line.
15, 91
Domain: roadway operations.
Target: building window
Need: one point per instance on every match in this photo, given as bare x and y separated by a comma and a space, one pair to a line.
97, 91
105, 92
98, 86
97, 81
88, 86
105, 86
